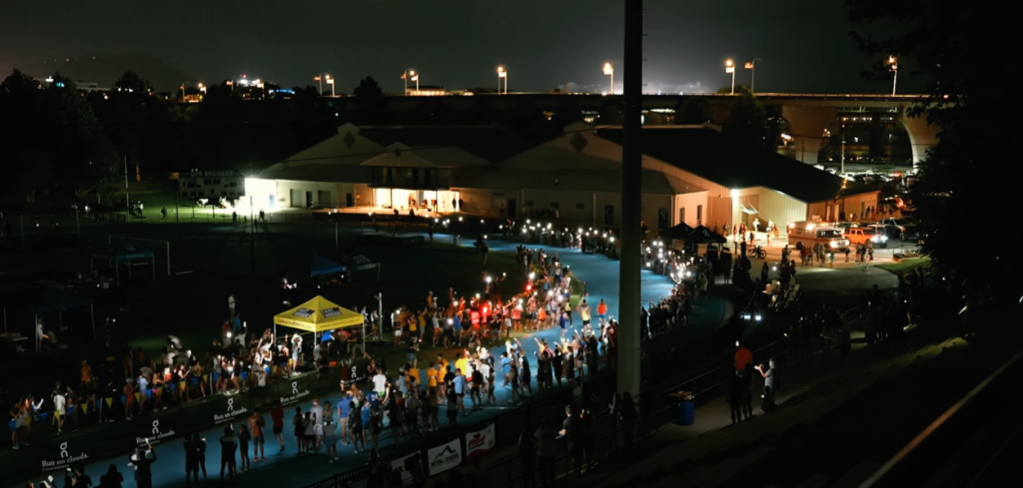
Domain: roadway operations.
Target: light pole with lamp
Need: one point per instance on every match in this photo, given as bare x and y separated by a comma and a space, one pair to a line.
319, 79
415, 78
730, 68
330, 81
610, 71
502, 74
752, 66
895, 72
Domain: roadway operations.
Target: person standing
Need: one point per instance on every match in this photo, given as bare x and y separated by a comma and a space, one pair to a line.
228, 446
191, 459
547, 450
243, 447
256, 425
355, 426
735, 396
527, 456
316, 412
277, 419
769, 374
570, 428
143, 466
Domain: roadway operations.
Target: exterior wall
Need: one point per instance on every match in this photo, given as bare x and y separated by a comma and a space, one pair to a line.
574, 207
337, 193
831, 210
212, 185
780, 208
690, 202
718, 210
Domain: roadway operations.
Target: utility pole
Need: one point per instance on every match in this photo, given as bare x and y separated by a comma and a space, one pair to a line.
632, 163
127, 196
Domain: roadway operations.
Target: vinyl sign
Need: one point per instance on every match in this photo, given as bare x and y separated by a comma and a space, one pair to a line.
295, 394
480, 442
159, 434
445, 456
64, 458
230, 413
399, 465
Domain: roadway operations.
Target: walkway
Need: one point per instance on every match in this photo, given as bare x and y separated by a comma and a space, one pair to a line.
289, 470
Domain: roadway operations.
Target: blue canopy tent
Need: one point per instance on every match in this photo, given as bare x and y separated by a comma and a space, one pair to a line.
125, 253
320, 266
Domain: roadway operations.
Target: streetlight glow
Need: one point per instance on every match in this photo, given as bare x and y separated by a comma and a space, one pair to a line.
895, 72
502, 74
730, 68
610, 71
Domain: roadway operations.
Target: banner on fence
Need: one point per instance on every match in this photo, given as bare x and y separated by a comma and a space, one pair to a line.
445, 456
293, 392
62, 457
154, 433
399, 465
480, 442
227, 412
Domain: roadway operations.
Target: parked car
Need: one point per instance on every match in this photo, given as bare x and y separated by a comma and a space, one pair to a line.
889, 231
897, 223
910, 233
862, 235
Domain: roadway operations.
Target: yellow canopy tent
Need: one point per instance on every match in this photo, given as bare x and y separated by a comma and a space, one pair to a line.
318, 315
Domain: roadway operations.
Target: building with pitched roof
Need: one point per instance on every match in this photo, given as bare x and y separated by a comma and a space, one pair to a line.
691, 174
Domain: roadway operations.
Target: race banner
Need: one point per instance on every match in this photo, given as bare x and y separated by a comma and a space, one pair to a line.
399, 465
228, 412
154, 433
444, 457
480, 442
62, 457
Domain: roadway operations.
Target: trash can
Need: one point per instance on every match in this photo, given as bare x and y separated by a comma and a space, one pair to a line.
686, 407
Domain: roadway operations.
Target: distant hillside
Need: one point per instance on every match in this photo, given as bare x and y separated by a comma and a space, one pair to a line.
105, 70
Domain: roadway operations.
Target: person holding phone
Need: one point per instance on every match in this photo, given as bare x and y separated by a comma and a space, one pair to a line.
142, 461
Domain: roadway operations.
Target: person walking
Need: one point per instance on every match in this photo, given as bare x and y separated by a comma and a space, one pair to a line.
547, 451
277, 419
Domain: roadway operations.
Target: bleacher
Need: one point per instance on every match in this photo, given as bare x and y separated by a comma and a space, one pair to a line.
760, 451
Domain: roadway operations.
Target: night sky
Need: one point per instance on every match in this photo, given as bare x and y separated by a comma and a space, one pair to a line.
803, 44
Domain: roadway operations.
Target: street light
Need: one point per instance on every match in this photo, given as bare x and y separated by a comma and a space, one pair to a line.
895, 72
610, 71
502, 73
202, 88
730, 68
752, 66
330, 81
319, 79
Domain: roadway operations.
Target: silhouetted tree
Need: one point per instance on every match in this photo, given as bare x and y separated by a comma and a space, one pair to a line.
939, 43
747, 122
693, 110
725, 90
370, 102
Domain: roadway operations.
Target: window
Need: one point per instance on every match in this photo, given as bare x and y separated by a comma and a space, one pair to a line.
234, 184
216, 182
699, 215
682, 215
609, 215
554, 204
662, 218
529, 203
206, 181
580, 206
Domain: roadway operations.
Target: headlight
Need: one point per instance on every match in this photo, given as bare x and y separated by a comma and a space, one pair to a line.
834, 243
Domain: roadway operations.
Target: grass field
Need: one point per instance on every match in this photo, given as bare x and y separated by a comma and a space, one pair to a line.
905, 266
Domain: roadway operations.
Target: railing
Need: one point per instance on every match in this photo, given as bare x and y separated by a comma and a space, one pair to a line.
932, 442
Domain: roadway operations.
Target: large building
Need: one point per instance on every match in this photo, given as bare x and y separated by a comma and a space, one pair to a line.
691, 174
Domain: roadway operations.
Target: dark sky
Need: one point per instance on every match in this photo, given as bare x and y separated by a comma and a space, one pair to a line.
803, 44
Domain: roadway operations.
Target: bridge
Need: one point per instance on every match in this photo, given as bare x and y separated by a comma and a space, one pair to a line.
810, 117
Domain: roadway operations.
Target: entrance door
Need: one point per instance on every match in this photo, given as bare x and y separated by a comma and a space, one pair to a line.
324, 199
349, 201
511, 209
308, 199
296, 199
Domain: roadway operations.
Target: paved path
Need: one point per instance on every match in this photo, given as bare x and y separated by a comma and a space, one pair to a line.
287, 469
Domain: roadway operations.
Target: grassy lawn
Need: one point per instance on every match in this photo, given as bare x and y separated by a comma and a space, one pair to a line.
906, 265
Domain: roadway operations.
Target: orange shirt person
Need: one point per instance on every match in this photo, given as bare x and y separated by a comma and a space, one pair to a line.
743, 357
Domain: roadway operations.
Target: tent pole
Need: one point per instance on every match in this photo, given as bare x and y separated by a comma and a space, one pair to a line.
92, 318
